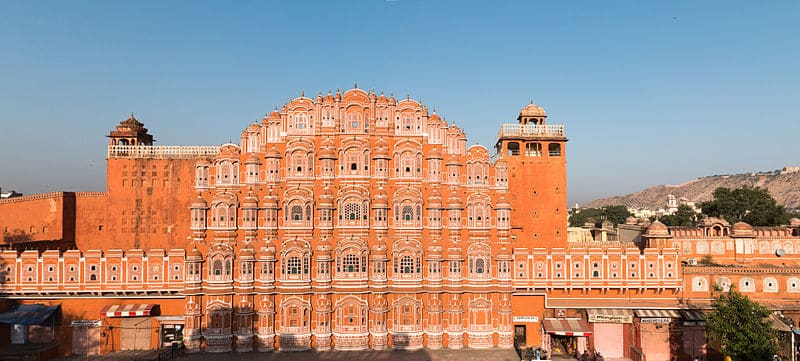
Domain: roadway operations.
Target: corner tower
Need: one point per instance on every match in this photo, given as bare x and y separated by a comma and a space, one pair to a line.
130, 132
537, 178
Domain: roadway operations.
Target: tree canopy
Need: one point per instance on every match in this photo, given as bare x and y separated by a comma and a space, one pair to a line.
614, 214
684, 216
753, 205
740, 327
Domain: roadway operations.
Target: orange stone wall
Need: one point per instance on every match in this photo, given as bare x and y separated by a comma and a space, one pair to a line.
40, 217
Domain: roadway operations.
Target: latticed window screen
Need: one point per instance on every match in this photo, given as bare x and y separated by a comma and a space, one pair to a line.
350, 263
408, 213
297, 213
293, 265
352, 211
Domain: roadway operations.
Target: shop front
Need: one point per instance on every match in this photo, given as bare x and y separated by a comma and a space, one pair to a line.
610, 326
86, 337
565, 337
656, 333
135, 325
171, 330
694, 334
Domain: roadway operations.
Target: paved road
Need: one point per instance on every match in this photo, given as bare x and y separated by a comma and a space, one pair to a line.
419, 355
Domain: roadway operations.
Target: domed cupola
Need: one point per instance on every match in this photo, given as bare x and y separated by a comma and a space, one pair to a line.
381, 150
199, 203
532, 114
326, 199
434, 153
328, 149
271, 200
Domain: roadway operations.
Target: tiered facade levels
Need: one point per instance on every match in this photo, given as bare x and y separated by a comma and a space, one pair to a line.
350, 221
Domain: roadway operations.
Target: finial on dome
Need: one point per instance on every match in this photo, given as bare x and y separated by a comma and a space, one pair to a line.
302, 92
131, 114
355, 85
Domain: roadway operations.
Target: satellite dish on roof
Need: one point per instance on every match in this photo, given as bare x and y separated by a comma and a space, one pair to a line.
780, 252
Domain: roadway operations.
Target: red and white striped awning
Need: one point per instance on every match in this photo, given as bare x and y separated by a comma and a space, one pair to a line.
130, 310
657, 313
572, 327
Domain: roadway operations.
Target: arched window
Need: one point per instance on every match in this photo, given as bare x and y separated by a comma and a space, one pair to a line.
297, 213
406, 265
408, 213
513, 148
217, 267
479, 266
533, 149
350, 263
294, 265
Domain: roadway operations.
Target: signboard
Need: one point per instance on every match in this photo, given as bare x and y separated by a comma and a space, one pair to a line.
525, 318
656, 320
86, 323
610, 318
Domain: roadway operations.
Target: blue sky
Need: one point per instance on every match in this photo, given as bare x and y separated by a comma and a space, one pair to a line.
650, 92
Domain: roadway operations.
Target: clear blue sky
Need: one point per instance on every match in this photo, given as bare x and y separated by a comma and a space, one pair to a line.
650, 92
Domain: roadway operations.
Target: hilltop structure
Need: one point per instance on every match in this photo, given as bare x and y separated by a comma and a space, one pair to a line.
348, 221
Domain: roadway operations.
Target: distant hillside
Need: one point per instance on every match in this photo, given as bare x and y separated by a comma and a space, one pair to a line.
783, 185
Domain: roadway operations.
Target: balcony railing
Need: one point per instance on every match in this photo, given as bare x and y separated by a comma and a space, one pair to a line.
162, 151
531, 130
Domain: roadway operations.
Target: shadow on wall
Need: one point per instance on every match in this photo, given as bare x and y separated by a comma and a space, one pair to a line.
17, 236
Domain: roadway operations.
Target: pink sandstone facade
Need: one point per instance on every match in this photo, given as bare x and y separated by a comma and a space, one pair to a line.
355, 221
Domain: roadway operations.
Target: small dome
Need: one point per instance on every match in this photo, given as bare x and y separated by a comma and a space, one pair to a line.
273, 153
271, 200
275, 115
454, 201
435, 117
657, 229
251, 201
631, 220
324, 247
742, 229
454, 253
381, 150
200, 203
326, 199
379, 248
435, 249
504, 253
502, 203
252, 158
195, 254
434, 153
532, 110
246, 252
267, 251
435, 200
453, 160
381, 199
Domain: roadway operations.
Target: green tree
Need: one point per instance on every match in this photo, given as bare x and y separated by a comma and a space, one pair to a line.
684, 216
753, 205
579, 219
614, 214
740, 327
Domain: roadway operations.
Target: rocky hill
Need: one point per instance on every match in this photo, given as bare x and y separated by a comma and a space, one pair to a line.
784, 185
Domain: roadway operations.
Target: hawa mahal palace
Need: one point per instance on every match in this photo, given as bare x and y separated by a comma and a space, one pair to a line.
355, 221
